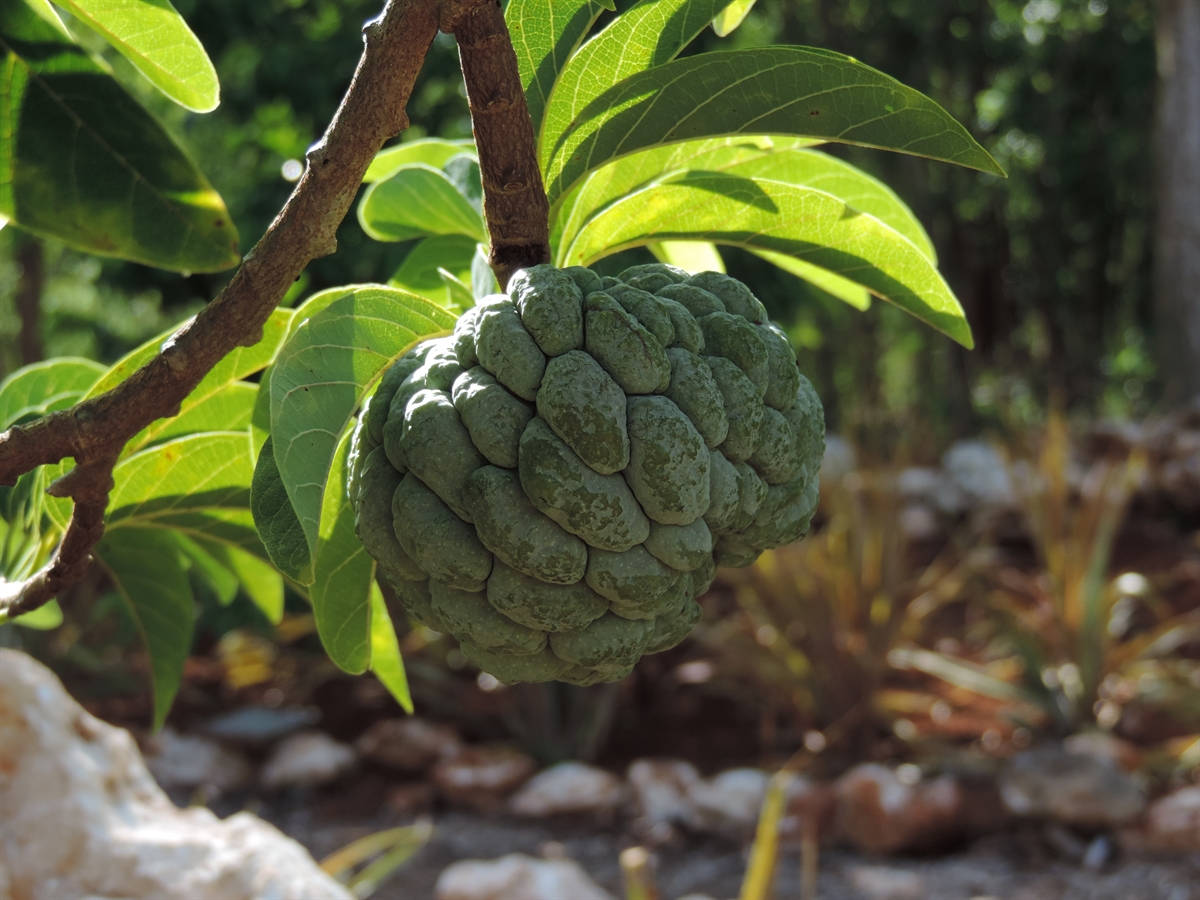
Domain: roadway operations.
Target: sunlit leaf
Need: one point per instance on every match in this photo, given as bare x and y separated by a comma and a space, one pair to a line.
798, 221
842, 288
418, 274
649, 33
322, 373
43, 387
544, 35
147, 569
154, 37
81, 161
692, 256
342, 575
416, 201
386, 661
603, 186
728, 19
800, 91
228, 409
44, 618
435, 152
197, 471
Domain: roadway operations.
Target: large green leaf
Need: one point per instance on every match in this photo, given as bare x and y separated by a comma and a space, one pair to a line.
692, 256
544, 35
81, 161
434, 152
322, 373
650, 33
603, 186
154, 37
843, 289
415, 201
276, 520
43, 387
811, 225
342, 575
149, 571
800, 91
194, 472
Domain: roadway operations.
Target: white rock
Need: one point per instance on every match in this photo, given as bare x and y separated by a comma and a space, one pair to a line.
570, 788
188, 762
662, 795
517, 877
980, 471
730, 803
308, 759
81, 817
1172, 823
839, 460
1071, 788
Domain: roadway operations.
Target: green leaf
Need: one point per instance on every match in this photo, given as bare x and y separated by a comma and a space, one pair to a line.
386, 661
800, 91
44, 387
276, 519
343, 575
728, 19
841, 288
228, 409
692, 256
544, 34
435, 152
81, 161
798, 221
154, 37
416, 201
258, 580
322, 373
44, 618
148, 571
194, 472
238, 363
603, 186
650, 33
209, 570
418, 274
859, 191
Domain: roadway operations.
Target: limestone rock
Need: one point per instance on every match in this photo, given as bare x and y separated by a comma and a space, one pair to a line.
1078, 789
570, 788
81, 817
410, 744
308, 759
517, 877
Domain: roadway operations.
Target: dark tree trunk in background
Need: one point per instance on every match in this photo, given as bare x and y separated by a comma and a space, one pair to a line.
32, 279
1177, 231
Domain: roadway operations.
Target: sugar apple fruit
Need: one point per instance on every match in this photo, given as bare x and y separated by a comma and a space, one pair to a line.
555, 483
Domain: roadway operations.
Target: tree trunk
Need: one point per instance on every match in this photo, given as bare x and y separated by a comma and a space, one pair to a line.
1177, 170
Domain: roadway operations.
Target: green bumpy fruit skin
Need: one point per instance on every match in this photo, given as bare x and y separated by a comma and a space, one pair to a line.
554, 484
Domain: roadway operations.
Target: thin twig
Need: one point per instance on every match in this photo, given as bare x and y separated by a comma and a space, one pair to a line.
93, 432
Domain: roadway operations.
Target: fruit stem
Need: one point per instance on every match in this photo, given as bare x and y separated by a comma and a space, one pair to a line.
514, 200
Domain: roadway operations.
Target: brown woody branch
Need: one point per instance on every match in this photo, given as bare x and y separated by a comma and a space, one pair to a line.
93, 432
514, 200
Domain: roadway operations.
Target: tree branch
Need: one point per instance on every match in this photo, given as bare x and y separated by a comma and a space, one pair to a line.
514, 199
93, 432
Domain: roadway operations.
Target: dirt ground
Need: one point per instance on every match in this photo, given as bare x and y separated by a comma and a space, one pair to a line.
1013, 866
